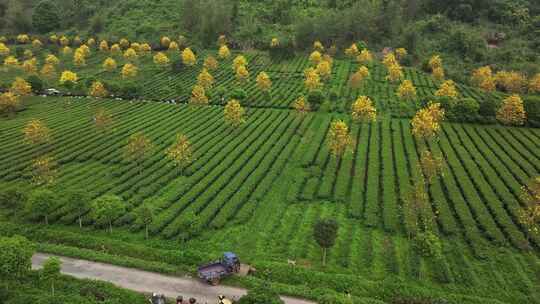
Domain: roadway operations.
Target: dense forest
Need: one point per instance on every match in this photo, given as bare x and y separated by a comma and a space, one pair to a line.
468, 33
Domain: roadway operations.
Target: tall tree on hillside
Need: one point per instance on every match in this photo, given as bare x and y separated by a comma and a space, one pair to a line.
45, 17
44, 170
325, 234
530, 215
36, 133
51, 271
137, 149
234, 113
103, 119
15, 257
79, 202
339, 139
181, 152
145, 216
106, 209
41, 203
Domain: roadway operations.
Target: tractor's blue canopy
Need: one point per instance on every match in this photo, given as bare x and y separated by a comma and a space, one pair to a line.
229, 255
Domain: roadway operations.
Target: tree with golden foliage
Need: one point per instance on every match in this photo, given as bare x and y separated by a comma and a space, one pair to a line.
534, 84
224, 52
312, 79
161, 60
357, 79
512, 82
339, 139
407, 91
124, 43
188, 57
430, 165
365, 57
483, 78
64, 41
9, 103
239, 61
77, 41
165, 41
435, 62
91, 42
145, 49
98, 90
426, 123
395, 73
401, 53
21, 87
23, 38
85, 50
43, 170
390, 60
129, 71
138, 148
324, 69
181, 152
173, 46
301, 106
352, 51
51, 59
448, 89
136, 46
79, 59
115, 49
438, 74
242, 74
205, 79
68, 77
130, 55
198, 96
30, 66
530, 215
53, 38
263, 82
234, 113
363, 110
103, 120
109, 64
48, 71
274, 42
512, 111
318, 46
104, 46
11, 62
28, 54
210, 63
36, 44
315, 58
4, 50
36, 133
67, 51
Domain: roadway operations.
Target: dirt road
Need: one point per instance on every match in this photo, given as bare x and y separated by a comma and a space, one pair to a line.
144, 281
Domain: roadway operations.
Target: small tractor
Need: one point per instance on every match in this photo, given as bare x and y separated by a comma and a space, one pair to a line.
214, 272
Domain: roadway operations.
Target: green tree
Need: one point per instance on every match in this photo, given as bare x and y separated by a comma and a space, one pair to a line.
45, 17
13, 197
51, 271
107, 208
145, 216
325, 233
15, 257
78, 201
262, 293
41, 203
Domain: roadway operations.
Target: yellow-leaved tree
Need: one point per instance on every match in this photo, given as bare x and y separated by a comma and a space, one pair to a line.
263, 82
53, 38
301, 106
274, 42
406, 91
224, 52
165, 41
198, 96
28, 54
512, 82
130, 55
97, 89
30, 66
138, 149
324, 69
173, 46
363, 110
36, 133
448, 89
23, 38
180, 153
11, 62
67, 51
426, 123
395, 73
365, 57
68, 77
483, 78
242, 74
161, 60
205, 79
48, 71
234, 113
109, 64
91, 42
430, 165
115, 49
64, 41
4, 50
534, 84
136, 46
512, 111
129, 71
530, 215
124, 43
357, 79
239, 61
315, 58
312, 79
103, 120
9, 103
438, 74
318, 46
21, 87
77, 41
390, 60
352, 51
85, 50
79, 59
401, 53
210, 63
51, 59
222, 40
44, 170
36, 44
188, 57
339, 139
435, 62
146, 49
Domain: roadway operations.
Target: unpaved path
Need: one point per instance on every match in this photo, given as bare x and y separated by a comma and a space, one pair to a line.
144, 281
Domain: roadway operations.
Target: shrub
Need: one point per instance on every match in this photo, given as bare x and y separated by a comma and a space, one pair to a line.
532, 108
428, 244
238, 94
36, 83
129, 90
177, 65
465, 109
13, 197
315, 99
